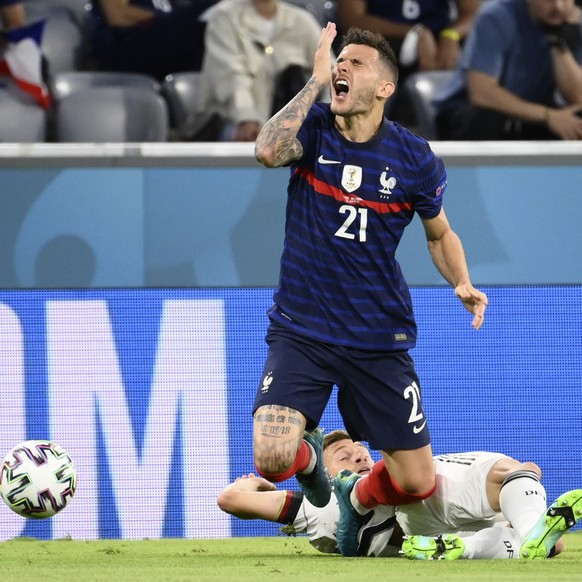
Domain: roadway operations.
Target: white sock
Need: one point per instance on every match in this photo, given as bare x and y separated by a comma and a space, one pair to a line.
360, 509
522, 499
492, 543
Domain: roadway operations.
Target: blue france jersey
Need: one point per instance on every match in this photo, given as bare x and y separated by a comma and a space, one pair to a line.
348, 205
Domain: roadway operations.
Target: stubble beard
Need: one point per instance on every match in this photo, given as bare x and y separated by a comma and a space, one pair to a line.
360, 102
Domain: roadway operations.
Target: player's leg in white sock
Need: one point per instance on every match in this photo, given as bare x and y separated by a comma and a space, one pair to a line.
522, 499
492, 543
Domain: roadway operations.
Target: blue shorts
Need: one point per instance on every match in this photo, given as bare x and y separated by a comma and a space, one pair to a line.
378, 392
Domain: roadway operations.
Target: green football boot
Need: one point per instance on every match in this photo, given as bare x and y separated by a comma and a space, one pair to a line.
443, 547
562, 515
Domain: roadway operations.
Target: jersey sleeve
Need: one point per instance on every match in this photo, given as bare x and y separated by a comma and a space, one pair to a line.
428, 198
290, 507
316, 119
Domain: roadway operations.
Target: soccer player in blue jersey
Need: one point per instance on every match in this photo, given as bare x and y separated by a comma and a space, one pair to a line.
342, 312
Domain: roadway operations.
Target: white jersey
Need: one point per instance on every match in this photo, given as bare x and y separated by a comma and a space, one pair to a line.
320, 525
458, 505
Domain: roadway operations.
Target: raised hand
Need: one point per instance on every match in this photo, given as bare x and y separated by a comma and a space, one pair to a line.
322, 58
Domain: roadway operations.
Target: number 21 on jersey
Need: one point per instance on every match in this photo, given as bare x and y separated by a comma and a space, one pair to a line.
350, 229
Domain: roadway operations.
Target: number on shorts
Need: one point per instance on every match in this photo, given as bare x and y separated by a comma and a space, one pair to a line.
416, 414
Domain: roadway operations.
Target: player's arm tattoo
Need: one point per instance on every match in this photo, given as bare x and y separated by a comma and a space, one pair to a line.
279, 134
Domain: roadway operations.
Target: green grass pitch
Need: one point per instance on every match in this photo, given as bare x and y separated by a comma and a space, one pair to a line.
28, 560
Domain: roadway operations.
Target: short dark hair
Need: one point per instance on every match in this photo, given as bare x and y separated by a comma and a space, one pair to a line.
376, 41
334, 436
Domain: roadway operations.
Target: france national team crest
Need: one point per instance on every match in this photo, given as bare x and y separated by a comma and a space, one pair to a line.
352, 178
388, 183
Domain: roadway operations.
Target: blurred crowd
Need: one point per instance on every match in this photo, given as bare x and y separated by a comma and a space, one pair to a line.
469, 69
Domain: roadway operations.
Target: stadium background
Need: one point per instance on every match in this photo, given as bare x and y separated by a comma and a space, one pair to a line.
133, 315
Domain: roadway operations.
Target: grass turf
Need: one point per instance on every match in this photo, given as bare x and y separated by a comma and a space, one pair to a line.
27, 560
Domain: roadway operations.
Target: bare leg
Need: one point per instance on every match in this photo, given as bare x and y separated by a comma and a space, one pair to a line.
401, 477
277, 436
411, 471
499, 472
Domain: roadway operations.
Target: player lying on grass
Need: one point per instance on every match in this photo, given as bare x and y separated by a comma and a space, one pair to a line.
251, 497
474, 490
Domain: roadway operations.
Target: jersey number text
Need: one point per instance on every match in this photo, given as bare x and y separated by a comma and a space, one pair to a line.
352, 214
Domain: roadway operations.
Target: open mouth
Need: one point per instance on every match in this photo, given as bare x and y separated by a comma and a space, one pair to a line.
341, 88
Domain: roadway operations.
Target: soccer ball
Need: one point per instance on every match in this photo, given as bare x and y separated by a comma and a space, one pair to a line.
37, 479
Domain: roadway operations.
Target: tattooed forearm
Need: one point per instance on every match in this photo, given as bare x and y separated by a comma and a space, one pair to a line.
276, 144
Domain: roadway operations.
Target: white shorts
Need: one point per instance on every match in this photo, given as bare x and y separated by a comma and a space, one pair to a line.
459, 503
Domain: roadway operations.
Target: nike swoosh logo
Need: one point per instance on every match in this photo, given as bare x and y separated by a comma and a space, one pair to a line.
417, 429
322, 160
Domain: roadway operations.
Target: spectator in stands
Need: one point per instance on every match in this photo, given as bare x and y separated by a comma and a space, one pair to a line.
147, 36
520, 75
12, 14
424, 34
258, 55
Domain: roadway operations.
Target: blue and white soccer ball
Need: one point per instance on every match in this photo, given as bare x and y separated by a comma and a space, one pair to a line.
37, 479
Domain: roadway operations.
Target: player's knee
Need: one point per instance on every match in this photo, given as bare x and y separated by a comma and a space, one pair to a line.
417, 486
509, 469
523, 471
516, 471
417, 494
529, 466
423, 490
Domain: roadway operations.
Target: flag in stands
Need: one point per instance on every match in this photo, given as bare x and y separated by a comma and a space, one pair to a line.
23, 60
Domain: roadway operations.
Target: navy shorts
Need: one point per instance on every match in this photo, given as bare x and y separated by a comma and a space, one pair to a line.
378, 392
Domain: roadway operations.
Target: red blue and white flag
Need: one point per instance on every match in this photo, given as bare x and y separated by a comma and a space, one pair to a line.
22, 60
